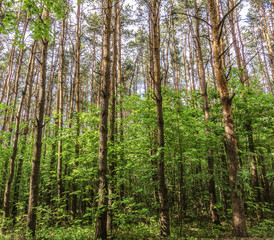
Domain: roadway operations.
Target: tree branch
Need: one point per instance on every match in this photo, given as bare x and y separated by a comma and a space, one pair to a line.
221, 23
193, 17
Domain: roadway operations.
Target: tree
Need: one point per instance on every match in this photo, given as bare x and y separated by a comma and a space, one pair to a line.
210, 159
239, 220
163, 195
101, 222
38, 131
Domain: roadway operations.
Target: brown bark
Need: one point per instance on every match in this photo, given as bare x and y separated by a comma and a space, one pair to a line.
59, 107
245, 81
121, 91
11, 58
34, 179
77, 81
191, 63
243, 51
112, 117
93, 92
211, 187
168, 45
151, 55
48, 114
266, 34
29, 77
266, 196
235, 43
17, 123
185, 63
265, 68
176, 80
163, 195
101, 222
239, 220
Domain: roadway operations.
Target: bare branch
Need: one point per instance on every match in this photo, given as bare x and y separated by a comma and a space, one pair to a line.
185, 14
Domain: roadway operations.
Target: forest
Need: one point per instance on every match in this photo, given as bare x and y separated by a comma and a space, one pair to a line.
136, 119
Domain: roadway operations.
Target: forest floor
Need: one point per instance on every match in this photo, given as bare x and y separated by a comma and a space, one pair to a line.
263, 230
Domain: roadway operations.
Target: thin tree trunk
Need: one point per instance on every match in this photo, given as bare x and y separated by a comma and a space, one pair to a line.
239, 220
29, 78
17, 123
121, 92
248, 126
168, 44
267, 37
266, 65
59, 107
163, 194
176, 82
101, 222
210, 159
11, 58
235, 44
93, 79
38, 130
264, 180
112, 117
77, 80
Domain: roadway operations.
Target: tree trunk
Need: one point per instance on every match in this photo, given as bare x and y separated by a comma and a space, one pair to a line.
34, 179
266, 34
17, 123
77, 81
29, 77
211, 187
112, 117
163, 195
176, 80
239, 220
93, 92
245, 82
11, 58
121, 94
101, 222
168, 44
59, 107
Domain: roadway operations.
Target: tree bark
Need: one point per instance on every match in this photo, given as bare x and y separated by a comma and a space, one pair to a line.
163, 194
112, 117
17, 123
34, 179
239, 220
101, 222
168, 44
59, 107
211, 187
29, 77
266, 34
11, 58
245, 82
77, 81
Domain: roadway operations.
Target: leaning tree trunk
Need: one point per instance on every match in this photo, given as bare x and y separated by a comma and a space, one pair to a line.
101, 222
239, 220
17, 123
38, 130
163, 195
29, 76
